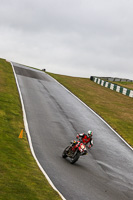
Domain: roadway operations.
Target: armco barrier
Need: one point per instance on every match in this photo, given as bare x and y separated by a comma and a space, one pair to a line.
112, 86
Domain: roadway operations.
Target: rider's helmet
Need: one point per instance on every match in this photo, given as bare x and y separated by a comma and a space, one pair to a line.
90, 133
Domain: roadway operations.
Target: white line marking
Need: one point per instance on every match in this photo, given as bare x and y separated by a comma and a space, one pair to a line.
29, 137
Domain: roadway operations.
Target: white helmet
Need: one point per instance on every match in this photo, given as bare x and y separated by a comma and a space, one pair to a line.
90, 133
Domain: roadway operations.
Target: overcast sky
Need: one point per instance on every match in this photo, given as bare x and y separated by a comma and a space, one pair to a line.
70, 37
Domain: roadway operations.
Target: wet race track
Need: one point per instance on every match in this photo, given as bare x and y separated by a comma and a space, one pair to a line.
55, 117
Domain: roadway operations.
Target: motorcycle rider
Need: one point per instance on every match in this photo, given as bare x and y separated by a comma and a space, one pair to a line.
86, 138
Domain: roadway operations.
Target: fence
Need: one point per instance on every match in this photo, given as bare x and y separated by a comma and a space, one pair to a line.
112, 86
114, 79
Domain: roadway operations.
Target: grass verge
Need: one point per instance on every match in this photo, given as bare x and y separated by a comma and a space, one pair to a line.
20, 177
116, 109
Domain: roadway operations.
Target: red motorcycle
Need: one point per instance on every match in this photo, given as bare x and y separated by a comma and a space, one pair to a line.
74, 151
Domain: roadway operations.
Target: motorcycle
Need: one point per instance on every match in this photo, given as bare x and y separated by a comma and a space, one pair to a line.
74, 151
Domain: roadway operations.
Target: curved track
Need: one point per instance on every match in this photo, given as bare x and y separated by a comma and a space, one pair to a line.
54, 117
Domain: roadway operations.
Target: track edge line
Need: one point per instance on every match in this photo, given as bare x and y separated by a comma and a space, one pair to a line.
29, 137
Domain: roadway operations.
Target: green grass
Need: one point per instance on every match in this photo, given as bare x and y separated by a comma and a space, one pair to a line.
116, 109
20, 177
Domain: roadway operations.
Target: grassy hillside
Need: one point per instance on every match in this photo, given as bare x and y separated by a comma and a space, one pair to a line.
20, 177
116, 109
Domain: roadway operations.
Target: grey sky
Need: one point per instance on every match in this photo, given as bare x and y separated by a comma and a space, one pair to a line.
71, 37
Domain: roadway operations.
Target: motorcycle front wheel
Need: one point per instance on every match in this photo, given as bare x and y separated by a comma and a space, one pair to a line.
75, 158
64, 154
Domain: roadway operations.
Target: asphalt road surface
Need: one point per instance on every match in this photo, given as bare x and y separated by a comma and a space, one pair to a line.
54, 117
